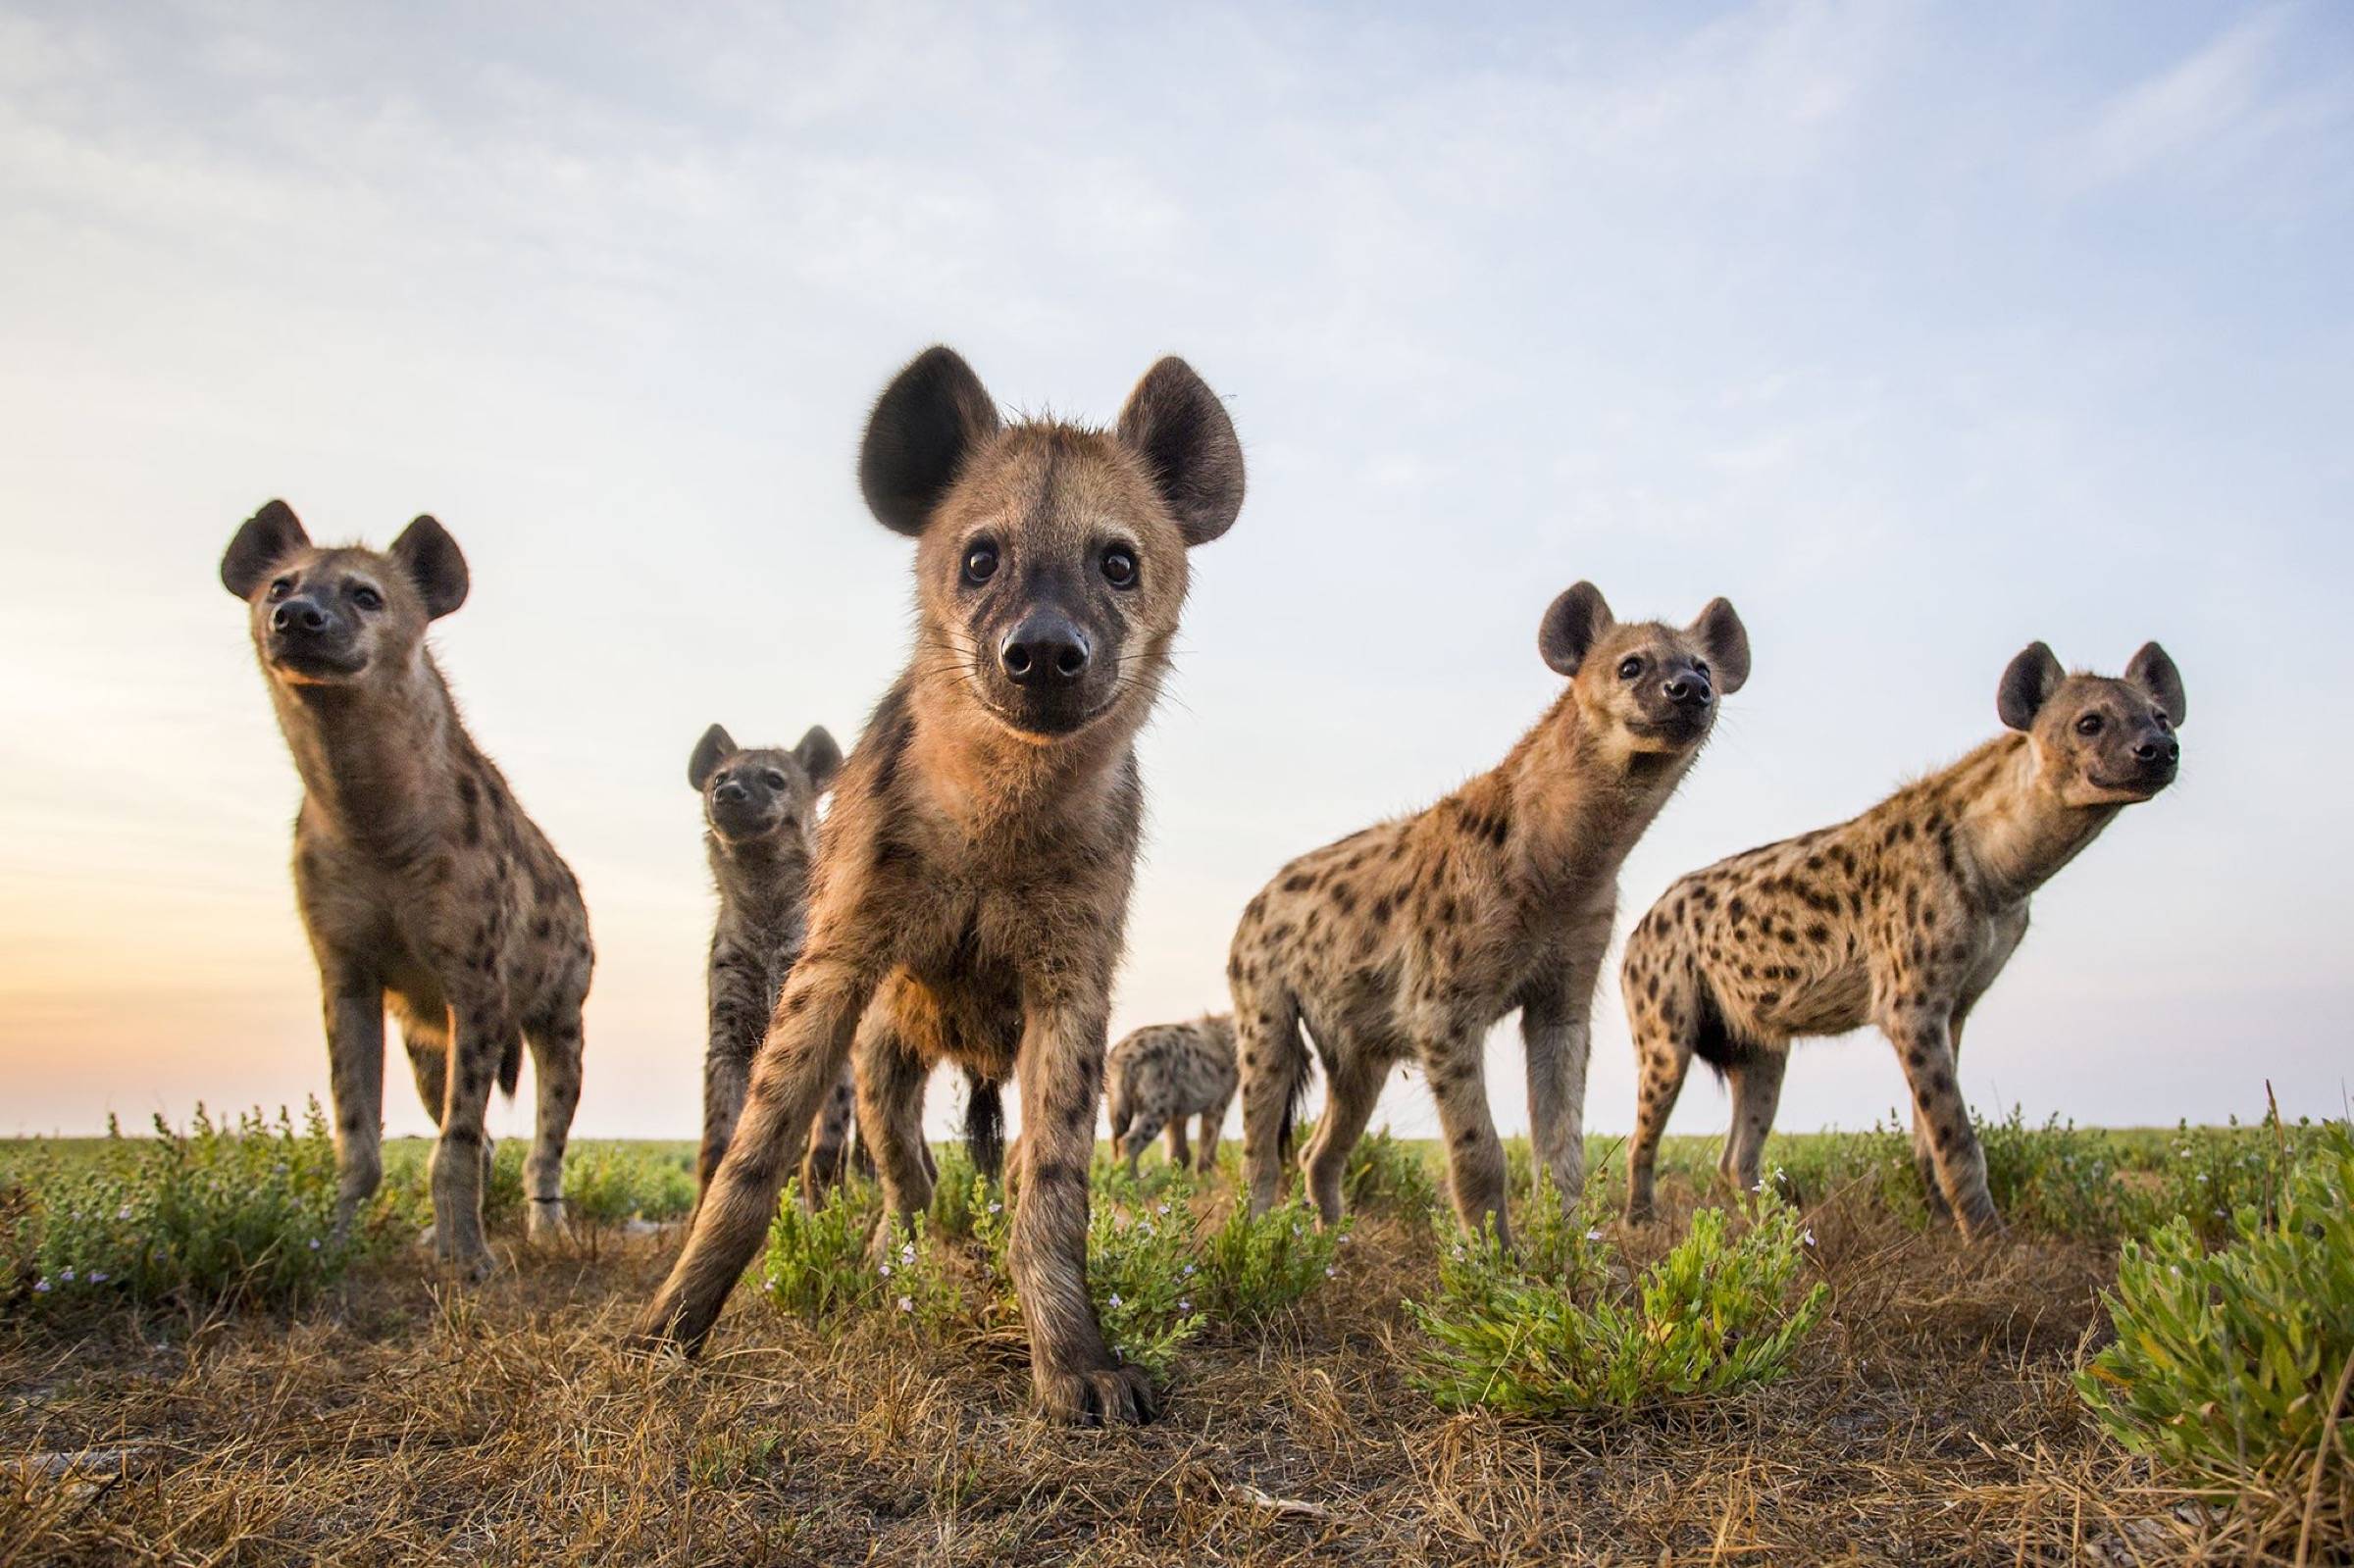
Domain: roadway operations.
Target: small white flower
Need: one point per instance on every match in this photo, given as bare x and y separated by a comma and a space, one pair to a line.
887, 1270
1189, 1271
41, 1288
98, 1276
1592, 1236
996, 1209
65, 1275
1342, 1239
908, 1253
122, 1213
1115, 1298
1184, 1305
1808, 1237
1163, 1209
906, 1306
1329, 1270
314, 1243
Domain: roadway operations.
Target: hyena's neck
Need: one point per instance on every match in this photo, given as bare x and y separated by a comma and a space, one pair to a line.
763, 882
2014, 827
1001, 786
1571, 804
378, 762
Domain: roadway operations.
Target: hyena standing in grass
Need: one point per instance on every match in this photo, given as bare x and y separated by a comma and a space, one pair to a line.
419, 878
1901, 918
1410, 940
973, 875
1162, 1074
760, 832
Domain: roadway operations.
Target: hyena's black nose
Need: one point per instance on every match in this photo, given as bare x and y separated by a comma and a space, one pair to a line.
729, 791
2157, 749
303, 615
1689, 689
1046, 649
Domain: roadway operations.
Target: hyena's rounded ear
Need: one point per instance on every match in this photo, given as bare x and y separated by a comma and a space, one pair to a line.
925, 425
1176, 424
1573, 624
1724, 642
429, 556
716, 747
263, 540
820, 758
2027, 685
2155, 672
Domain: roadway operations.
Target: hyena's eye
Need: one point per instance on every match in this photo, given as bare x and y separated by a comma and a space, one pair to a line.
2089, 725
773, 778
1119, 567
366, 598
1629, 668
980, 562
282, 587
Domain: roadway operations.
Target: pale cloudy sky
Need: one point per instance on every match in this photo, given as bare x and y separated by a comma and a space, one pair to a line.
1920, 331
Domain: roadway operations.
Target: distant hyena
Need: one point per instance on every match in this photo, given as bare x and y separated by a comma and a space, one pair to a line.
973, 874
1162, 1074
1902, 917
760, 832
419, 877
1407, 940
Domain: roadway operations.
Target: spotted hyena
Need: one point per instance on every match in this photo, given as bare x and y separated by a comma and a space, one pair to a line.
760, 833
1408, 941
1164, 1072
1901, 918
419, 878
973, 875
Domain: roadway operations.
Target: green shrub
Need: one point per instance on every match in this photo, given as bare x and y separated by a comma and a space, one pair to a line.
1712, 1316
959, 1193
607, 1184
1141, 1273
1874, 1166
817, 1258
1390, 1173
1252, 1271
2054, 1178
2207, 1174
239, 1214
2228, 1363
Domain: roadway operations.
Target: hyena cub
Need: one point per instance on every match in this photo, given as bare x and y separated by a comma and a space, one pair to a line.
760, 831
1407, 940
973, 875
1164, 1072
419, 878
1901, 918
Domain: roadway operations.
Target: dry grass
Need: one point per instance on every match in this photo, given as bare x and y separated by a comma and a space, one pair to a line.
1930, 1420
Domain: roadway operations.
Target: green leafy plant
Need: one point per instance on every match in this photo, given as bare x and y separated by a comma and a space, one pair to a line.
1252, 1270
1390, 1173
2232, 1366
1140, 1272
235, 1213
1712, 1316
817, 1262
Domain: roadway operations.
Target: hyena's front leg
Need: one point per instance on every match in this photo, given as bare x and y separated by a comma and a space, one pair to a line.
1924, 1045
1556, 1018
355, 1059
460, 1155
739, 1013
816, 1017
556, 1058
1075, 1374
891, 1079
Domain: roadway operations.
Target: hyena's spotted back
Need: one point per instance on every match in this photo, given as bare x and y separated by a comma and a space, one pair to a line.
1162, 1074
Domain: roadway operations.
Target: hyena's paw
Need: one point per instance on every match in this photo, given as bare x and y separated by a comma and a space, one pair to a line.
468, 1257
547, 1224
1106, 1397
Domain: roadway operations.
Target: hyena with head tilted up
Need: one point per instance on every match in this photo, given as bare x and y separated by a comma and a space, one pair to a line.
1162, 1074
1408, 941
760, 832
973, 875
1901, 918
419, 878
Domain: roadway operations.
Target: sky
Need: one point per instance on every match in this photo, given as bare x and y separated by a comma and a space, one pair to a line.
1919, 332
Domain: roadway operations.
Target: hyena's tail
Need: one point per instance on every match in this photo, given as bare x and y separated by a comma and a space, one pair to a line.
510, 1067
1289, 1064
985, 1125
1122, 1113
